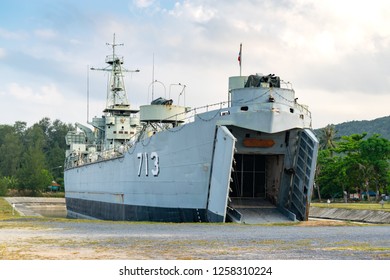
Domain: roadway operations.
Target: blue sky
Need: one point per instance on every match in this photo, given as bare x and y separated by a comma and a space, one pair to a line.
336, 54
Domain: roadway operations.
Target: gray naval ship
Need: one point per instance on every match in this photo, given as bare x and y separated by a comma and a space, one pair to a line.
252, 156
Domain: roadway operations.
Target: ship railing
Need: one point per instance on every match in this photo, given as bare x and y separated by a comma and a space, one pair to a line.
222, 106
304, 109
204, 109
286, 85
79, 159
189, 114
114, 153
73, 160
110, 59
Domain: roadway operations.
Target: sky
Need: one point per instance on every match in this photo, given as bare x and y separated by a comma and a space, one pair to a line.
336, 53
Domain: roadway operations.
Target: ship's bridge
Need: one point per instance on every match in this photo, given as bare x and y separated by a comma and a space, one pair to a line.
260, 89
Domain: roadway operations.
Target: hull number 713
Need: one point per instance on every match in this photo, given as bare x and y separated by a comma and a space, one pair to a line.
144, 160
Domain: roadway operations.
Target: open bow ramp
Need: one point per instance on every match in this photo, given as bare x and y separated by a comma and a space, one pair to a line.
220, 174
255, 211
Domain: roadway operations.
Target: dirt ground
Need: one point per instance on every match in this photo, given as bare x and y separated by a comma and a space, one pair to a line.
64, 239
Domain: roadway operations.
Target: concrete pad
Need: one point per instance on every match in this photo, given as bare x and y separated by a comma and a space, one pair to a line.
262, 215
367, 216
38, 206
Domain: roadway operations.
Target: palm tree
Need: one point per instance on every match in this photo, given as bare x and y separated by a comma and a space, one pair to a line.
327, 137
327, 142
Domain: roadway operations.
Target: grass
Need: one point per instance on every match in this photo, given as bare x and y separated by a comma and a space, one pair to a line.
13, 193
347, 245
6, 210
53, 194
355, 206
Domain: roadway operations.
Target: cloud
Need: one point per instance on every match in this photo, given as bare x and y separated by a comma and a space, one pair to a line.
143, 3
46, 33
31, 103
9, 35
199, 13
2, 53
44, 95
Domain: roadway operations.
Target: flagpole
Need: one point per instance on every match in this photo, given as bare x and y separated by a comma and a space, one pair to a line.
240, 57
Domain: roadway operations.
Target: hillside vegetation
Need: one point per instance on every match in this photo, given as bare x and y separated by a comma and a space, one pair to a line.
379, 126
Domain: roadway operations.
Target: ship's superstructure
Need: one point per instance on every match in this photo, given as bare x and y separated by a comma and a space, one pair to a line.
234, 161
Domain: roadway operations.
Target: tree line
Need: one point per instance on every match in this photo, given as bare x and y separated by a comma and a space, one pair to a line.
354, 164
31, 158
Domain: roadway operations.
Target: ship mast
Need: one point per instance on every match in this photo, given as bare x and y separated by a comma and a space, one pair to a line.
117, 102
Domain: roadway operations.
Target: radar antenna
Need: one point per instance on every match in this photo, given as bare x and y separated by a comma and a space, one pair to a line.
116, 93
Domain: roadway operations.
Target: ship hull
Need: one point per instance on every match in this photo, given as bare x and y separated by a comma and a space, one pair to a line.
91, 209
163, 178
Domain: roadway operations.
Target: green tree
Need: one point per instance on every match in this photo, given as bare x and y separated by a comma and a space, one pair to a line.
327, 137
4, 131
350, 144
55, 161
11, 152
57, 147
7, 183
32, 155
326, 144
322, 160
375, 153
334, 175
350, 170
356, 164
33, 174
3, 186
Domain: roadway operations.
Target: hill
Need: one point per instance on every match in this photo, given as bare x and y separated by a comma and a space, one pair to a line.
380, 126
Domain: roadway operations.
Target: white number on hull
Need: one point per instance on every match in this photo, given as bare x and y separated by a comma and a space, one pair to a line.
140, 157
144, 157
156, 169
146, 164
